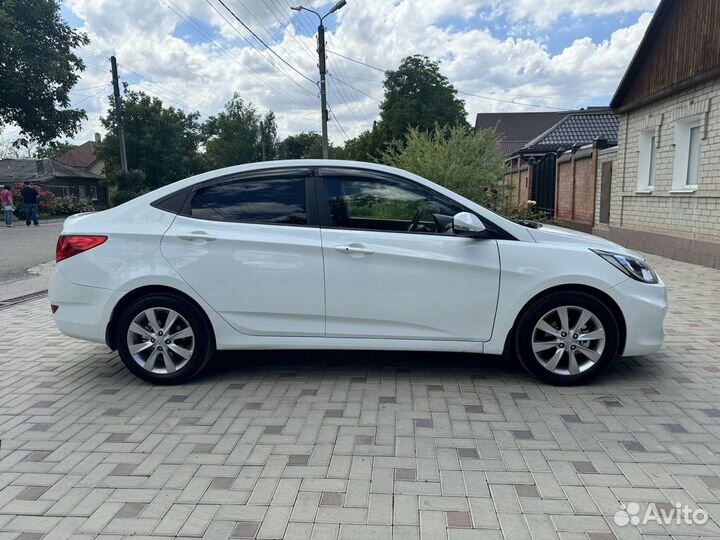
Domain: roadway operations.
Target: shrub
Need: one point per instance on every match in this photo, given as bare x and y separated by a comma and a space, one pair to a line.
527, 211
123, 196
72, 205
468, 163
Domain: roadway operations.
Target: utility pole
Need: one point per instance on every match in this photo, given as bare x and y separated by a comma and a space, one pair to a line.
118, 115
323, 71
323, 90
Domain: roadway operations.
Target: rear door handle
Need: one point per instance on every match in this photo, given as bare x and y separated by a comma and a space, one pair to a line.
197, 235
357, 249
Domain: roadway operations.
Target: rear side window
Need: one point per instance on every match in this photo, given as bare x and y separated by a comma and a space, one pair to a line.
279, 201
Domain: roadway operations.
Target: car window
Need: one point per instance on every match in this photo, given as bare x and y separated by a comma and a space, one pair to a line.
388, 205
279, 201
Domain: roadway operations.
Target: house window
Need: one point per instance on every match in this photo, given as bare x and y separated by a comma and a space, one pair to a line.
93, 193
647, 159
81, 192
694, 158
688, 146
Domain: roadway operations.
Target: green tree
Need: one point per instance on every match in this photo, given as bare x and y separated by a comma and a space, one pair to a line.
126, 186
37, 70
239, 134
54, 150
162, 142
305, 145
418, 96
468, 163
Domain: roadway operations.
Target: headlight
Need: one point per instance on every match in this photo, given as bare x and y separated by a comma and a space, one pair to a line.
632, 266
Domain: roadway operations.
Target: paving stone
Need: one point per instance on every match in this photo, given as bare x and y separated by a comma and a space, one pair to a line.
358, 445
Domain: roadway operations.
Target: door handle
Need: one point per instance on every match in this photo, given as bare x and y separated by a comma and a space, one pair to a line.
197, 235
357, 249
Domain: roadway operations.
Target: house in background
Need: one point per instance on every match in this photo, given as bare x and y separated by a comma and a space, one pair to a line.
57, 178
84, 157
562, 187
660, 192
516, 129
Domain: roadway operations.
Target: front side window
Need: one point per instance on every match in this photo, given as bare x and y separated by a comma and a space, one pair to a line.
278, 201
387, 205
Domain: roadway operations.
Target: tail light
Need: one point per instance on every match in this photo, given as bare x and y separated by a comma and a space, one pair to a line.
70, 245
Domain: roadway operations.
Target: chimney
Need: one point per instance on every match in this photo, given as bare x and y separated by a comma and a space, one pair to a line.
98, 139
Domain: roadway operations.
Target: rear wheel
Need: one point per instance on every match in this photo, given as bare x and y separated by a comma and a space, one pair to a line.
164, 339
567, 338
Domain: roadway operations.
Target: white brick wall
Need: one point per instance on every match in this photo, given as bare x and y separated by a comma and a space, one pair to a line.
691, 215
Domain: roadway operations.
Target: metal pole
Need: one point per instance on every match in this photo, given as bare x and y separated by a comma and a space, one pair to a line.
119, 115
323, 95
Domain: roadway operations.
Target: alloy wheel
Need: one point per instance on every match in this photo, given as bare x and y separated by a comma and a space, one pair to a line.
160, 340
568, 340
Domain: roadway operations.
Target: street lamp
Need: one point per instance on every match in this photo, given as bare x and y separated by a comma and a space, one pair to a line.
321, 65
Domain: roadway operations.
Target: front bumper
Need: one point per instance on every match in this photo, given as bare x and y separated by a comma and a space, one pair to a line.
644, 307
83, 312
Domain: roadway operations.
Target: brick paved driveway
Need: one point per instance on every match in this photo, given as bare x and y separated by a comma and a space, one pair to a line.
337, 445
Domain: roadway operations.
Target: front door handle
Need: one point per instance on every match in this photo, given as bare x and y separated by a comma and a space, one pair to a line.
354, 249
197, 235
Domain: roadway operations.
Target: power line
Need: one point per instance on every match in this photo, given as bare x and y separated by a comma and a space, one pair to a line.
260, 52
356, 61
288, 64
511, 101
337, 122
183, 15
355, 88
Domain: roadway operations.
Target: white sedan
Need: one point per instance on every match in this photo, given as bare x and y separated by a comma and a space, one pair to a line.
318, 254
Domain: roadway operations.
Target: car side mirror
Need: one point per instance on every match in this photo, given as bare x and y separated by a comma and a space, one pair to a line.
467, 224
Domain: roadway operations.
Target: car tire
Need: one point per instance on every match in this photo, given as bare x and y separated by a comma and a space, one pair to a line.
164, 339
550, 336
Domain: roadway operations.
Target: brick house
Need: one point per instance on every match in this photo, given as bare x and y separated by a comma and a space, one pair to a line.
660, 192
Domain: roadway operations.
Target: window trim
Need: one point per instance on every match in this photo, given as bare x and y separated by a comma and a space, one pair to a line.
322, 173
303, 173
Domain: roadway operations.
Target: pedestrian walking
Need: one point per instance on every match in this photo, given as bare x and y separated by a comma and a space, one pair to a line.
6, 200
30, 198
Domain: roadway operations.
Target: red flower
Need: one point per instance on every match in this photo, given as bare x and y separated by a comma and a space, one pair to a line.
485, 189
494, 191
488, 205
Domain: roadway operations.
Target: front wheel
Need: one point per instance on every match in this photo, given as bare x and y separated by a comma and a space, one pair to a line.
567, 338
164, 339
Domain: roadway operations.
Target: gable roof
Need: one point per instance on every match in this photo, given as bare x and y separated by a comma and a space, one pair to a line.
82, 156
517, 128
39, 170
577, 128
680, 48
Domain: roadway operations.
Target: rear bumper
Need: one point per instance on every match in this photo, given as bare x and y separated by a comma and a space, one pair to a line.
83, 312
644, 307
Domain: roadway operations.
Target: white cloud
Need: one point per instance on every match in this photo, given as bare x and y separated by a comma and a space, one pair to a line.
148, 37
